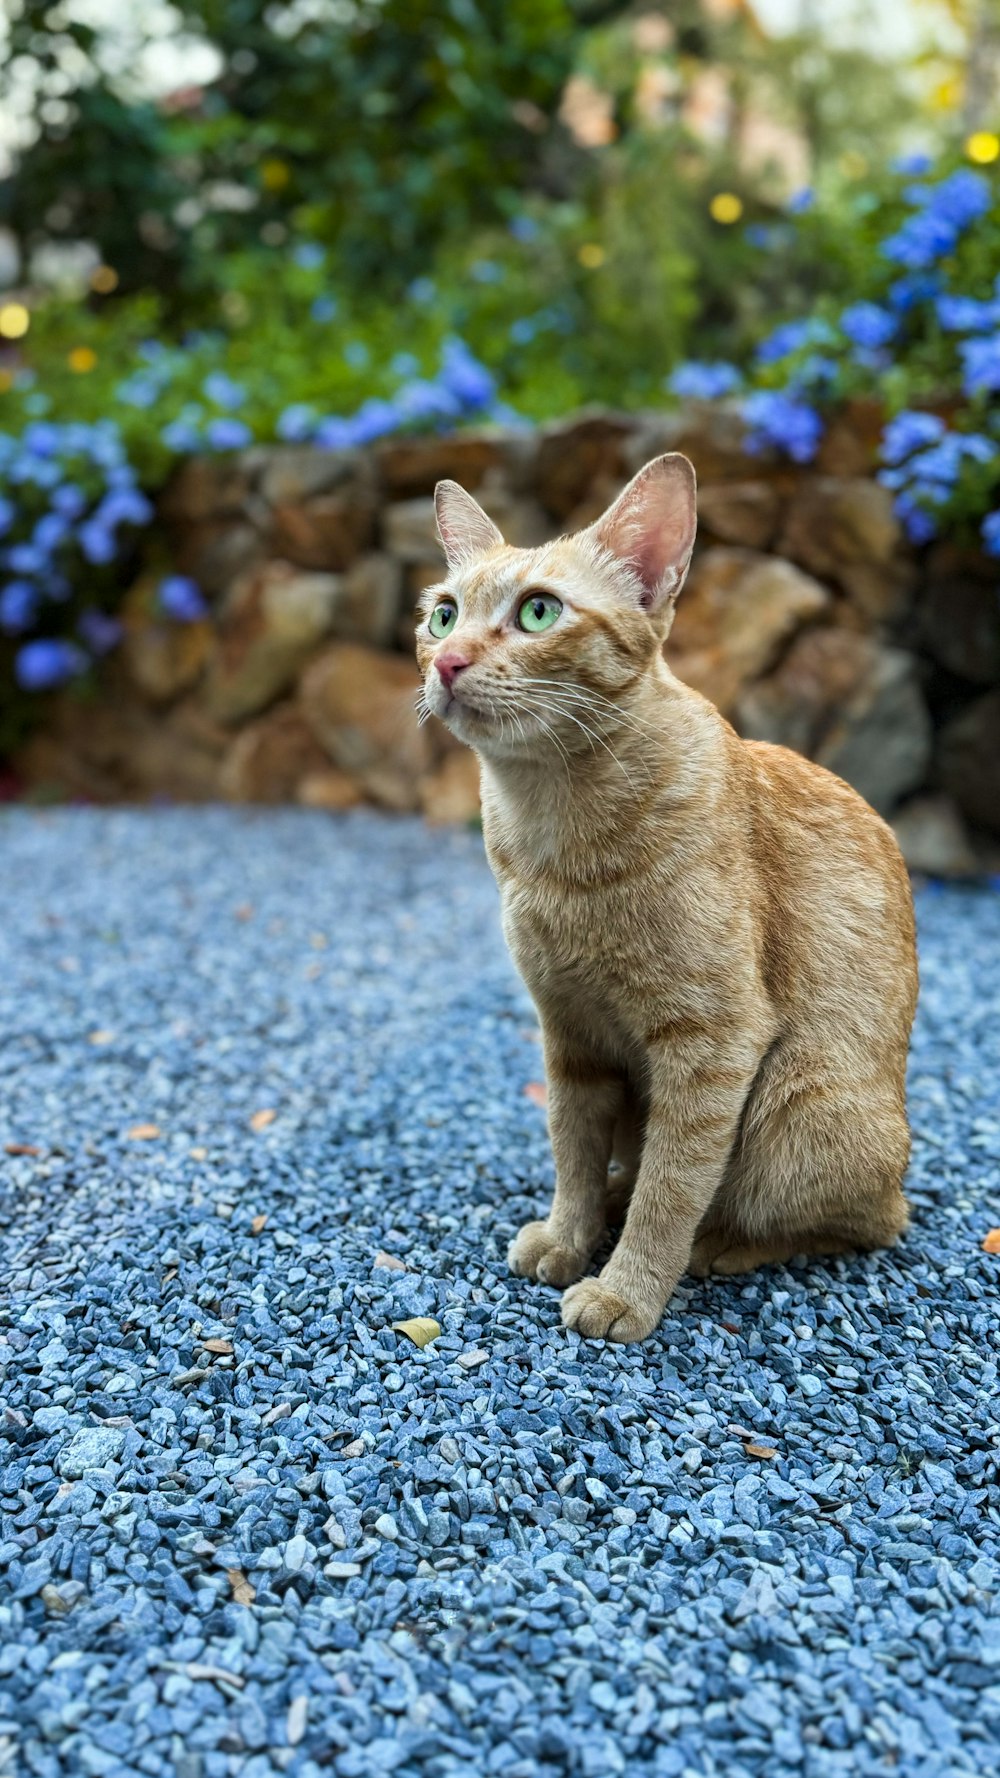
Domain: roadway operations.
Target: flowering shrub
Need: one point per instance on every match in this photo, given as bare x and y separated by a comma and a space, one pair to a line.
925, 344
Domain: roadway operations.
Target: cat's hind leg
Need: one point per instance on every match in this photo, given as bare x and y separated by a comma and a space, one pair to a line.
816, 1169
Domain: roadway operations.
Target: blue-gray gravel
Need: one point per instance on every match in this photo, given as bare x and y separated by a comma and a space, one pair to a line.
510, 1552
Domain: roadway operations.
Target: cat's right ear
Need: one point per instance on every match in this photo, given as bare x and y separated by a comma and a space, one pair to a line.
464, 528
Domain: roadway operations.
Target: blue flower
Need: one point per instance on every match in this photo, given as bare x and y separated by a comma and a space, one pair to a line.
123, 506
918, 524
404, 364
42, 665
801, 201
309, 255
422, 399
486, 271
907, 432
356, 354
138, 391
464, 377
323, 308
920, 241
50, 532
790, 337
18, 607
8, 513
966, 314
297, 423
41, 439
422, 290
705, 381
99, 631
373, 419
990, 530
775, 418
965, 196
223, 391
867, 324
69, 500
911, 166
757, 235
905, 293
27, 558
815, 372
228, 435
523, 330
981, 363
524, 228
180, 597
334, 434
181, 436
97, 542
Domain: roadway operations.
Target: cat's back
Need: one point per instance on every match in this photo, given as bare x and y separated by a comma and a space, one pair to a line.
836, 905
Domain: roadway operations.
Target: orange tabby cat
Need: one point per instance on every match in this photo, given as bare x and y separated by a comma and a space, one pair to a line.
718, 935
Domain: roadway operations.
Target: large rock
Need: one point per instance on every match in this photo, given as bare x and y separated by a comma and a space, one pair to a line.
272, 620
959, 613
209, 488
450, 792
734, 617
322, 505
968, 762
745, 513
369, 601
115, 748
850, 444
361, 704
329, 789
409, 532
270, 758
932, 838
214, 551
845, 530
853, 705
409, 465
573, 454
163, 658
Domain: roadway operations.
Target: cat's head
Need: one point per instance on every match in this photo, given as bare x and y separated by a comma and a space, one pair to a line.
519, 644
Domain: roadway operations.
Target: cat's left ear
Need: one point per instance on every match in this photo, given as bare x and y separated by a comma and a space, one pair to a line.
464, 528
651, 528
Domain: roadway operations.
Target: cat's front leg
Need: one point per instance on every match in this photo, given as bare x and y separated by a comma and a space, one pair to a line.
690, 1128
584, 1100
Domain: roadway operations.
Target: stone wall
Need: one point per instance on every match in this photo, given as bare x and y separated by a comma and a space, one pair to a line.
807, 618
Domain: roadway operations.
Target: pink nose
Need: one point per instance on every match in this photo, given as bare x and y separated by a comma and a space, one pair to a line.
450, 666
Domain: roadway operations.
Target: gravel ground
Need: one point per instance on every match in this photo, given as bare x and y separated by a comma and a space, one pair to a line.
767, 1541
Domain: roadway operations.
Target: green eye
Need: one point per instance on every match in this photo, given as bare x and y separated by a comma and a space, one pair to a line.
539, 612
443, 618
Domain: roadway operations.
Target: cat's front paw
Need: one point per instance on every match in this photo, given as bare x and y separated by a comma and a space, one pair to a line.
534, 1254
600, 1314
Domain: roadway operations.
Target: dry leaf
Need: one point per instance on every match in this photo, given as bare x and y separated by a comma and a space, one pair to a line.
991, 1242
143, 1132
537, 1092
100, 1038
243, 1592
257, 1223
223, 1347
421, 1329
21, 1148
198, 1154
760, 1450
261, 1119
388, 1261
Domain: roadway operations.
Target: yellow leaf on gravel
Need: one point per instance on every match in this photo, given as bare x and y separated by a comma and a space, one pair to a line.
223, 1347
143, 1132
261, 1119
991, 1242
388, 1262
244, 1593
257, 1223
421, 1329
760, 1450
101, 1037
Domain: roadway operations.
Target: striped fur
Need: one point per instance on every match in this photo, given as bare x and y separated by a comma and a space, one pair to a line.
718, 934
